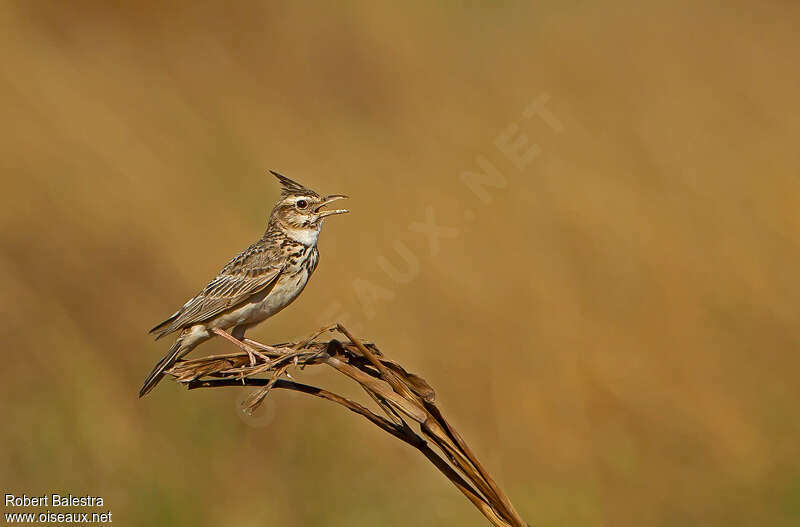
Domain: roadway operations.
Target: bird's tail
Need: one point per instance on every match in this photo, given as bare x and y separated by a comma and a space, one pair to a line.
166, 362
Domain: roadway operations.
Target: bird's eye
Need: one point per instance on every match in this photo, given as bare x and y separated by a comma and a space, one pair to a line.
301, 204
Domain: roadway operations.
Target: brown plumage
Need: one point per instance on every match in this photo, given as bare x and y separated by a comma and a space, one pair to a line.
256, 284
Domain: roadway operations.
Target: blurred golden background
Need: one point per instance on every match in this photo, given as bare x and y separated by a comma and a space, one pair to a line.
610, 322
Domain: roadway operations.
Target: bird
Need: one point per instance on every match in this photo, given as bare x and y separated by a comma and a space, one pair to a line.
257, 283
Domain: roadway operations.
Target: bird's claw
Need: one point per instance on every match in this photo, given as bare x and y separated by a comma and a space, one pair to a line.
255, 353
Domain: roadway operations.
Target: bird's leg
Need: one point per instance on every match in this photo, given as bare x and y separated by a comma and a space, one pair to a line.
236, 338
238, 333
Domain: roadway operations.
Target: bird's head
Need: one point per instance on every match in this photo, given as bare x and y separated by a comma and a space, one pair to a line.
300, 209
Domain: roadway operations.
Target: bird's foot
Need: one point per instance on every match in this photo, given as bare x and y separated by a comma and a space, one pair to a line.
251, 352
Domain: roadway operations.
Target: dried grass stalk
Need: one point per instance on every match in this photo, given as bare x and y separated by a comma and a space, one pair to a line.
404, 397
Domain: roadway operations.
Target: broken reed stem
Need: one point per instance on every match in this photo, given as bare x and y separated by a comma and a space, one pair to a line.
401, 395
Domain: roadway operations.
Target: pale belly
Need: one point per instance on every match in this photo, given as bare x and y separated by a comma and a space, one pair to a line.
263, 306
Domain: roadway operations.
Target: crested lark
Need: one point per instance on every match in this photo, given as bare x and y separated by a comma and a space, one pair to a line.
259, 282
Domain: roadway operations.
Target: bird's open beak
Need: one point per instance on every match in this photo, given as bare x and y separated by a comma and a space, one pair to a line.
329, 199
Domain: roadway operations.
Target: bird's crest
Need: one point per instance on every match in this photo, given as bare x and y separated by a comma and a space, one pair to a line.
289, 187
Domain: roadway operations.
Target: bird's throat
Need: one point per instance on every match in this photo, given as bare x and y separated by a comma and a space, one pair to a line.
307, 236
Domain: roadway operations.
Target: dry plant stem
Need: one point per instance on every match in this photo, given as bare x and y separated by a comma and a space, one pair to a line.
436, 432
414, 412
477, 464
386, 373
400, 432
307, 341
400, 394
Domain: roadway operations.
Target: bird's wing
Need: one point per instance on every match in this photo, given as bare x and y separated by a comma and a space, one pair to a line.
249, 273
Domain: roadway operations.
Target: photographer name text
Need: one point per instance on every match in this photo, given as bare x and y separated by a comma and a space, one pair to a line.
54, 501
